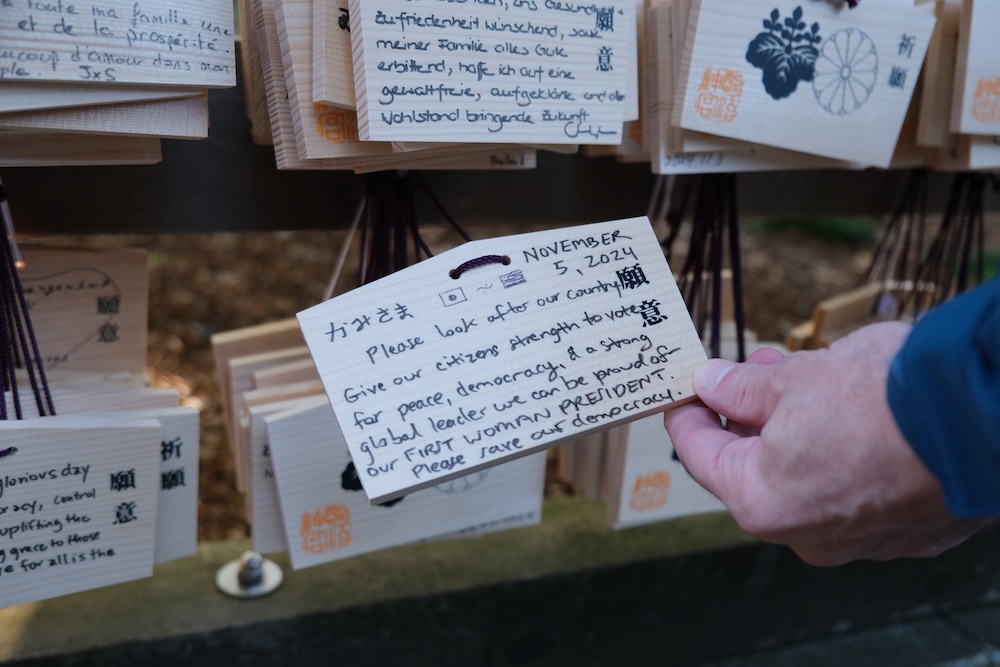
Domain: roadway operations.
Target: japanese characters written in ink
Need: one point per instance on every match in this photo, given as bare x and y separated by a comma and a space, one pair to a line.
571, 331
497, 71
105, 295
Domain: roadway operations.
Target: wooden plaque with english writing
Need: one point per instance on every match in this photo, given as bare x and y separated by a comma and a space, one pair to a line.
433, 377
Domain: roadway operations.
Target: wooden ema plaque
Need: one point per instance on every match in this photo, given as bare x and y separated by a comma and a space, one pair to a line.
536, 339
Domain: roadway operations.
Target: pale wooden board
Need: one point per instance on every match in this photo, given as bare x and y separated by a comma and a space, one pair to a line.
279, 95
527, 316
761, 158
183, 42
333, 81
686, 141
494, 160
838, 315
272, 71
75, 400
254, 92
653, 486
320, 131
563, 149
486, 91
177, 499
31, 149
81, 379
976, 103
632, 147
262, 396
325, 521
648, 77
939, 77
909, 154
266, 526
277, 377
239, 380
74, 527
590, 455
661, 51
984, 152
725, 94
667, 157
17, 96
104, 293
972, 152
182, 118
283, 125
630, 112
229, 345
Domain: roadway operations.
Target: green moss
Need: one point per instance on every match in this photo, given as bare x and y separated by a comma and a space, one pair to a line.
847, 231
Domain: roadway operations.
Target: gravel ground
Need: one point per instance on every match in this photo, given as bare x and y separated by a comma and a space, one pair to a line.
206, 283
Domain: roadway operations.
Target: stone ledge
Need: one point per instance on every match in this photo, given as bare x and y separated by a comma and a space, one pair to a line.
569, 590
181, 598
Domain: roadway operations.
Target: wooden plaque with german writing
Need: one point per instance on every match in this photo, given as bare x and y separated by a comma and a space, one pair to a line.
500, 348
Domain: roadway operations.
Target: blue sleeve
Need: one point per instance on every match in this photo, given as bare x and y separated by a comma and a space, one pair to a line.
944, 392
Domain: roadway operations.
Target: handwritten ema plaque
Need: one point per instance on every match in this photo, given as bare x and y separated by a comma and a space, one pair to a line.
433, 377
181, 42
78, 504
497, 71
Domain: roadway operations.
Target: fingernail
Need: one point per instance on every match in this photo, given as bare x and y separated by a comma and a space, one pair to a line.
710, 374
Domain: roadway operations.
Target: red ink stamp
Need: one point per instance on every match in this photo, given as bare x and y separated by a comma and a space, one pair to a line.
326, 529
986, 101
650, 491
336, 125
719, 95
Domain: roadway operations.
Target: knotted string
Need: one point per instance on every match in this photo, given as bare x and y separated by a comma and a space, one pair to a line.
485, 260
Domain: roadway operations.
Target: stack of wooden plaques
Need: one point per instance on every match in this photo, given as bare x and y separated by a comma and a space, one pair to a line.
105, 485
86, 83
733, 85
401, 84
303, 493
720, 85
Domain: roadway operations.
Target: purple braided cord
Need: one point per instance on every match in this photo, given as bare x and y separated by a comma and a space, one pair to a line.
7, 341
477, 262
6, 360
19, 291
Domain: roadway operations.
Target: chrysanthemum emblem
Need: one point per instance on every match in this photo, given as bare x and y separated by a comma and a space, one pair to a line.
845, 71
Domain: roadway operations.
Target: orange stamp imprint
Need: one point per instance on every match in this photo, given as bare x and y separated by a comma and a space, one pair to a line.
719, 94
336, 125
986, 102
650, 491
326, 529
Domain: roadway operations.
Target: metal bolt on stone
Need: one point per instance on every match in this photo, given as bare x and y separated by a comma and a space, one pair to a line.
249, 576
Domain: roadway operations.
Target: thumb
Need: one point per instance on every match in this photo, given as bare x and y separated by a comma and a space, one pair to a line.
740, 392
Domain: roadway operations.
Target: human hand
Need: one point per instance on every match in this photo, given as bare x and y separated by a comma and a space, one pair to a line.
811, 456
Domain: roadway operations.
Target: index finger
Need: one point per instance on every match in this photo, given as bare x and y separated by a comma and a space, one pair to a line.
701, 444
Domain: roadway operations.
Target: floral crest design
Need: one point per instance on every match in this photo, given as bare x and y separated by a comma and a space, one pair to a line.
846, 71
786, 52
